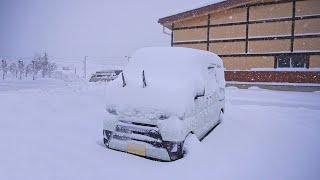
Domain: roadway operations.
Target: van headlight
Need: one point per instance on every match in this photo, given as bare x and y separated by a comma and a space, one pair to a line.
163, 117
174, 149
112, 111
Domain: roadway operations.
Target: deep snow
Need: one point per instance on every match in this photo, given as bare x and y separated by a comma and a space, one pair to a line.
53, 130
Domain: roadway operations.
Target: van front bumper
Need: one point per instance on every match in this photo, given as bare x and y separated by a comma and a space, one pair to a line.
154, 149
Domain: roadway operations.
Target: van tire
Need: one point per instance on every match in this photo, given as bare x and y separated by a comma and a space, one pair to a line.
105, 142
221, 117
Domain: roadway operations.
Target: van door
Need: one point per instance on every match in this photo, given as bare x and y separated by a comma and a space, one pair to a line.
207, 106
212, 89
200, 116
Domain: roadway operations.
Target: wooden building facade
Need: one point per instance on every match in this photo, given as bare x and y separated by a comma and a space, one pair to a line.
272, 38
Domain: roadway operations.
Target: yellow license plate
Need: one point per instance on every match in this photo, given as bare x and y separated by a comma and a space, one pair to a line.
137, 149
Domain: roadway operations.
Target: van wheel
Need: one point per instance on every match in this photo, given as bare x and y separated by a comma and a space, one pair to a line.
105, 142
221, 117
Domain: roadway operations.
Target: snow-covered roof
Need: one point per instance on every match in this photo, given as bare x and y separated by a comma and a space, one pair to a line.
194, 6
202, 9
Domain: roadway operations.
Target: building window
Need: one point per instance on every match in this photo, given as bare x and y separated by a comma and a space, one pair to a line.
292, 61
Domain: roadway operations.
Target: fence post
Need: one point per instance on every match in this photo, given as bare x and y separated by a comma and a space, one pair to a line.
85, 67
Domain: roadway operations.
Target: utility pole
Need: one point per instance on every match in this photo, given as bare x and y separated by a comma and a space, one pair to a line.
127, 57
85, 67
4, 68
33, 69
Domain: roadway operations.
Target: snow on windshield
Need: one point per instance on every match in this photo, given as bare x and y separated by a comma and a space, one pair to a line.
173, 77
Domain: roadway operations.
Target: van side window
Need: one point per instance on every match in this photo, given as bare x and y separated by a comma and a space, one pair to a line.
212, 72
212, 82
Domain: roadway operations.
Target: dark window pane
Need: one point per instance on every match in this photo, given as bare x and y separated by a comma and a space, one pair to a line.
298, 61
292, 60
283, 61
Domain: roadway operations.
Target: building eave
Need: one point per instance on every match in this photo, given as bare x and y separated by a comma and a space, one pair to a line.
203, 11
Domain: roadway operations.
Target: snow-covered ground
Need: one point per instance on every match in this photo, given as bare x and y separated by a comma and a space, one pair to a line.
53, 130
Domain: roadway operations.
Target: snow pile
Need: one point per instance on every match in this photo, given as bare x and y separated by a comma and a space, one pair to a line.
173, 77
192, 147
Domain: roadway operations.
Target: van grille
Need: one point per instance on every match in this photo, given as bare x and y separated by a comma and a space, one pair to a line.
147, 133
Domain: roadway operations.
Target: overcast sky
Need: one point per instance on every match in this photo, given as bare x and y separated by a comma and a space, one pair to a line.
75, 28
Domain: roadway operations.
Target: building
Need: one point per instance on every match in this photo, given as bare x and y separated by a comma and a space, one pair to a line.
258, 40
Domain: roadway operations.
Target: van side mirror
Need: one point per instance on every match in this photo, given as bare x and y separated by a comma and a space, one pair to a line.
200, 94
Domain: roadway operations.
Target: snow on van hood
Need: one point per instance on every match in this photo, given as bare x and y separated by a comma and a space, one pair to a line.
174, 76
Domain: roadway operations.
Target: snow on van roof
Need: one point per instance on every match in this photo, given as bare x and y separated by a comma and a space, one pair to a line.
173, 76
162, 55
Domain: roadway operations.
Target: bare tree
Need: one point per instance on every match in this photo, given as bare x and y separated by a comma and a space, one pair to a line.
36, 64
4, 68
34, 70
51, 68
44, 65
13, 69
20, 68
28, 69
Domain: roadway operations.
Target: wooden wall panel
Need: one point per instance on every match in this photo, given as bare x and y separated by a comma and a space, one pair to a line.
307, 44
307, 7
227, 47
202, 46
197, 21
314, 61
237, 31
228, 16
267, 46
190, 34
274, 76
307, 26
271, 11
246, 63
269, 29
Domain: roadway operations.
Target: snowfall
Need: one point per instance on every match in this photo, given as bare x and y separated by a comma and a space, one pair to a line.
52, 130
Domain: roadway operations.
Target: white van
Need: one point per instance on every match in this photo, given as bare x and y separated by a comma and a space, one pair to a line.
163, 95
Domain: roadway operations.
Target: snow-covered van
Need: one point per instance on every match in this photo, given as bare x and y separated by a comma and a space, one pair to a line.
164, 95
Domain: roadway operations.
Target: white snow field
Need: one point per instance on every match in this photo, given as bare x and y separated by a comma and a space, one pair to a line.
52, 130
